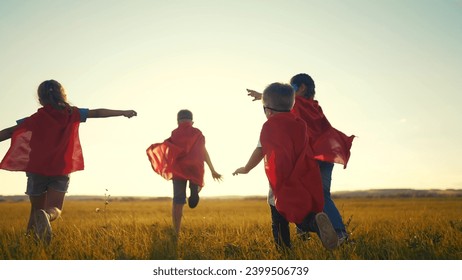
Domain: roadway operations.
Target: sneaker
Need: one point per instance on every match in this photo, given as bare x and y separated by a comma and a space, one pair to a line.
54, 213
42, 226
193, 199
326, 231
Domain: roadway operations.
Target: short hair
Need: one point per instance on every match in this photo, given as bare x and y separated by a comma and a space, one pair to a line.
305, 79
184, 115
278, 96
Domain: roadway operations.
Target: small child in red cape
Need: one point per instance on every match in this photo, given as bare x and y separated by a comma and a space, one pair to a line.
46, 146
180, 158
329, 144
292, 172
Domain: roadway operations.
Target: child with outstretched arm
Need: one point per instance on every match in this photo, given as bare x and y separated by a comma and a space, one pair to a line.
46, 146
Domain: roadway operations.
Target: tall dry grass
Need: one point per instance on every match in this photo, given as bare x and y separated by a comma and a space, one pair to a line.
389, 229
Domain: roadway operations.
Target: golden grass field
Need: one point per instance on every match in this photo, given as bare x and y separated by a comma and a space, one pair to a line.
382, 229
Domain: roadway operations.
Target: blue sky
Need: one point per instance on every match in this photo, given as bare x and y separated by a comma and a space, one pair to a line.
386, 71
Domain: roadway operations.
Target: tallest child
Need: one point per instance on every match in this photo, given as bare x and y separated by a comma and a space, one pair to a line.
46, 146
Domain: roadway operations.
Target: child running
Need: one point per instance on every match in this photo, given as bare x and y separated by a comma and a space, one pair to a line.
292, 172
46, 146
329, 144
180, 158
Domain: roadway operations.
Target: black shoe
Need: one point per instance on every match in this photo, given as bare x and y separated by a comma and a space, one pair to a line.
303, 235
308, 224
193, 199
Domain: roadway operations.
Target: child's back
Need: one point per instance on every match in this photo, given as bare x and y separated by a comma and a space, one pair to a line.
181, 158
46, 146
292, 172
294, 175
329, 144
186, 155
46, 143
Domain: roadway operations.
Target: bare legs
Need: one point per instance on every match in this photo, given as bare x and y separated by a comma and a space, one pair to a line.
51, 202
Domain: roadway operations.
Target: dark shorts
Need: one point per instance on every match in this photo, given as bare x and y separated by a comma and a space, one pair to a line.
179, 190
38, 184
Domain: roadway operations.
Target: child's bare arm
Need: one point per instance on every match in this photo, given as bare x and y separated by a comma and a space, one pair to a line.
7, 133
254, 160
215, 175
106, 113
256, 95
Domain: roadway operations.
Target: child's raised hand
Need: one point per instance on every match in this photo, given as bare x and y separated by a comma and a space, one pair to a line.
129, 113
256, 95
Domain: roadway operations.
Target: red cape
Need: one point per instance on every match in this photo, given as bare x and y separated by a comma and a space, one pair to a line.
46, 143
181, 156
293, 173
329, 144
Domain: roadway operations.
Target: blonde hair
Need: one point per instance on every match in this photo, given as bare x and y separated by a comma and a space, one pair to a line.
52, 92
279, 97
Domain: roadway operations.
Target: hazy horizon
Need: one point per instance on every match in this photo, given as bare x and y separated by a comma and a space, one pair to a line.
371, 193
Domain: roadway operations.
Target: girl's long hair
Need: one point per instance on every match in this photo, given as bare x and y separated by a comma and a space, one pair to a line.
52, 92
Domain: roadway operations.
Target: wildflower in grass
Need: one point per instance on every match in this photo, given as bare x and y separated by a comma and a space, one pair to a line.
106, 199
